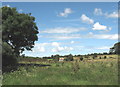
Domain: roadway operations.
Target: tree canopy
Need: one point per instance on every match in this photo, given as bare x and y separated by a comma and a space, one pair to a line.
19, 30
116, 48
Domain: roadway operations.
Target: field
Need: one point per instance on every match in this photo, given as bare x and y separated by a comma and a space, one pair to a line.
89, 72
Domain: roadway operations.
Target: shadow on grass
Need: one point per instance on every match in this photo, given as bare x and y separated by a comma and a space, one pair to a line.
16, 67
33, 64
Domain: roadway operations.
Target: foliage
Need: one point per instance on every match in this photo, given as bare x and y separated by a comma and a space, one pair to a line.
69, 57
105, 57
55, 57
8, 57
81, 58
115, 48
18, 29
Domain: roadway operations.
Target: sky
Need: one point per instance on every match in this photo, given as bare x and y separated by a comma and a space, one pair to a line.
71, 27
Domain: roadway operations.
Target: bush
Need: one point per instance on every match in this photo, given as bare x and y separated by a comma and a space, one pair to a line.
56, 57
81, 58
70, 57
105, 57
94, 56
9, 60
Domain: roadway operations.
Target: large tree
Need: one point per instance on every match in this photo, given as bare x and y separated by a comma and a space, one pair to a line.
19, 30
116, 48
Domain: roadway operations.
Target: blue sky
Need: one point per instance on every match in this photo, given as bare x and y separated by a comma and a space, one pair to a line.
76, 27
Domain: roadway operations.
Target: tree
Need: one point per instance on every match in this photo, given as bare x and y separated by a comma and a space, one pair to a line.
115, 49
19, 30
56, 57
69, 57
111, 51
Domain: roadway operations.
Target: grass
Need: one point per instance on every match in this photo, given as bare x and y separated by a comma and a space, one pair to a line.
67, 73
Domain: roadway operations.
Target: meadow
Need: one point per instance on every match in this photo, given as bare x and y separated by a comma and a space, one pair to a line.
88, 72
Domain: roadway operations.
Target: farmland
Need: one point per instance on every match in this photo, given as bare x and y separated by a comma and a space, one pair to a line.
88, 72
59, 44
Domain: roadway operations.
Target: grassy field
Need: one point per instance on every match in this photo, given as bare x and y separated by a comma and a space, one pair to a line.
96, 72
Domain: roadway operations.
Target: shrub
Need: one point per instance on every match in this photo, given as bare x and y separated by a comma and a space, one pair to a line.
9, 60
81, 58
93, 57
56, 57
69, 57
105, 57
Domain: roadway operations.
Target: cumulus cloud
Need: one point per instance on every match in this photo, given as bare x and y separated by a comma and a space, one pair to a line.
86, 19
40, 47
112, 15
98, 11
66, 12
60, 49
98, 26
63, 30
52, 47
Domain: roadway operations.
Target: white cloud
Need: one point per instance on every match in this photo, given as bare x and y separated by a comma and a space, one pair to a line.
109, 36
56, 44
40, 47
67, 20
63, 36
72, 42
63, 30
112, 15
98, 26
8, 5
66, 12
20, 10
70, 36
103, 36
98, 11
103, 48
60, 49
53, 47
90, 33
86, 19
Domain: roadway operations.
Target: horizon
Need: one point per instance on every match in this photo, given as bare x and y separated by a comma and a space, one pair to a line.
73, 55
72, 28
